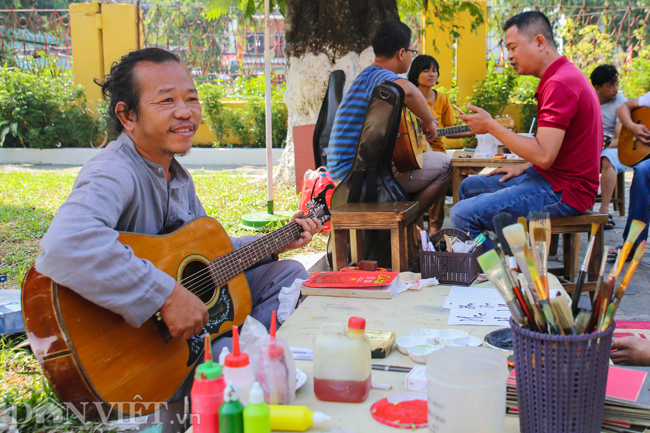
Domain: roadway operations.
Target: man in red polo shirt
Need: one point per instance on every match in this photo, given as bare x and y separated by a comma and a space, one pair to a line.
561, 176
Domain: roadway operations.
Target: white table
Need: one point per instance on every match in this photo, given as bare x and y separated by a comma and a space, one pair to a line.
404, 313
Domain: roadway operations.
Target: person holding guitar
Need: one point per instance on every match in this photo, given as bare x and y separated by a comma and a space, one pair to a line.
394, 53
136, 185
634, 149
424, 74
561, 176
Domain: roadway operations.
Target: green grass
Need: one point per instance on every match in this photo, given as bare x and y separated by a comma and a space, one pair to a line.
29, 201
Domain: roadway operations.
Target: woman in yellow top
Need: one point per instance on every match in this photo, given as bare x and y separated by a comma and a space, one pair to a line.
424, 73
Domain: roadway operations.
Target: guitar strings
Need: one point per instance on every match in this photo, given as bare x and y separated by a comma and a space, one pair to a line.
217, 266
205, 279
207, 283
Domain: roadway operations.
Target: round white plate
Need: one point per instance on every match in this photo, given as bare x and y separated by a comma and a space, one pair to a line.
404, 343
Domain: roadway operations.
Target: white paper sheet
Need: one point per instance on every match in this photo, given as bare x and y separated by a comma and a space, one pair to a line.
463, 295
475, 306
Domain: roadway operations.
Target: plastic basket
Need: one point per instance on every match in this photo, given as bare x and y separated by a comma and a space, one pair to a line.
561, 380
448, 267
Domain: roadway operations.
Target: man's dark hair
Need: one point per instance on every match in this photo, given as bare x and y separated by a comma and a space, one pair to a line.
120, 85
532, 23
390, 37
604, 74
420, 63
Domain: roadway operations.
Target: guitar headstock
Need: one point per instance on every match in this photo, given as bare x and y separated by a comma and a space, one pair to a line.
318, 209
505, 120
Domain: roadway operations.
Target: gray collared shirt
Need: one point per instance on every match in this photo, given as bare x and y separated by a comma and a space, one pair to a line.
118, 190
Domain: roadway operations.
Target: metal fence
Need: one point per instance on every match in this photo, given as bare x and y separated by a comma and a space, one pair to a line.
624, 30
36, 40
223, 48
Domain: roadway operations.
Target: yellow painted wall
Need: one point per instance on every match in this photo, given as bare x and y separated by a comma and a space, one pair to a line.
120, 27
88, 64
205, 136
442, 51
470, 54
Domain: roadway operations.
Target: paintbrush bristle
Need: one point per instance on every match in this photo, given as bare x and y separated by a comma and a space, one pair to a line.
539, 234
640, 249
499, 221
522, 220
489, 260
594, 228
540, 217
515, 234
582, 321
563, 311
635, 230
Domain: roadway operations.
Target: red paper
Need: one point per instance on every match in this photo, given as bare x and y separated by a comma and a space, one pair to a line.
350, 279
624, 384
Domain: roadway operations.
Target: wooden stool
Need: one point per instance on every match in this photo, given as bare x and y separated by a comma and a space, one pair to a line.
570, 229
398, 217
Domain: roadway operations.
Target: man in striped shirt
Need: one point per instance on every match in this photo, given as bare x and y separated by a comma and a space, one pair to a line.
393, 55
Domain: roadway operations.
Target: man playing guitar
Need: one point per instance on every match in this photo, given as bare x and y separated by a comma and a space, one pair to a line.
394, 53
640, 188
136, 185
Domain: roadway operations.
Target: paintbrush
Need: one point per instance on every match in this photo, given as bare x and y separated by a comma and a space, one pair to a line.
595, 304
635, 230
583, 270
606, 292
540, 231
513, 280
620, 290
561, 308
493, 268
499, 221
516, 237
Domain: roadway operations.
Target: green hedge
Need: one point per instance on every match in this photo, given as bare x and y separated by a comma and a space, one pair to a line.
43, 112
247, 125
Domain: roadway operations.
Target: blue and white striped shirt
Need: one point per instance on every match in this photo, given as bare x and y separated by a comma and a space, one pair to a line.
349, 120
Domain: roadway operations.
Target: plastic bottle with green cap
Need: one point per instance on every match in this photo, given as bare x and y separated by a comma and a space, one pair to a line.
257, 417
231, 413
207, 394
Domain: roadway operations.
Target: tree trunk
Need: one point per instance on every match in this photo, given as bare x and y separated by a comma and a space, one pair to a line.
322, 36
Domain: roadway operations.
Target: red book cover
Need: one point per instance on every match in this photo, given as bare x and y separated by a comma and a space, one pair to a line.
350, 279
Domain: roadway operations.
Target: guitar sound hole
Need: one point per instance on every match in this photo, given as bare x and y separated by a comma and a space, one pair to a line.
197, 279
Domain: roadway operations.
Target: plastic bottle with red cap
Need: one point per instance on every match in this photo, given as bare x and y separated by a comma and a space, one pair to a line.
237, 367
207, 394
342, 362
272, 371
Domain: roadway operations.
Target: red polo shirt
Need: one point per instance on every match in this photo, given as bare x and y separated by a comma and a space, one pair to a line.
567, 101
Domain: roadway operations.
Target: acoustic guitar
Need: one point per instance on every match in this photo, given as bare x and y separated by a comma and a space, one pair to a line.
411, 142
630, 150
100, 364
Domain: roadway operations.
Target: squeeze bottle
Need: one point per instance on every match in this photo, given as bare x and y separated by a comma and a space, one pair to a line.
256, 414
231, 413
342, 364
272, 372
237, 368
294, 418
207, 394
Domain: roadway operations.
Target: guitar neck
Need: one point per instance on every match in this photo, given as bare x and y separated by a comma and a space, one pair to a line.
452, 130
229, 265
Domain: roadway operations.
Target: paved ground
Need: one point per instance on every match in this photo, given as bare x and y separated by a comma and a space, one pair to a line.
635, 304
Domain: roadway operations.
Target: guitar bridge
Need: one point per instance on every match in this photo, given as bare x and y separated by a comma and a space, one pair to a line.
161, 327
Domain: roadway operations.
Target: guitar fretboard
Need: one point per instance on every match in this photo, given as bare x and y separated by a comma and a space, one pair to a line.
451, 130
229, 265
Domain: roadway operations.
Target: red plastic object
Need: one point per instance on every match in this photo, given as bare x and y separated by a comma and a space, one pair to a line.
401, 411
237, 358
357, 323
